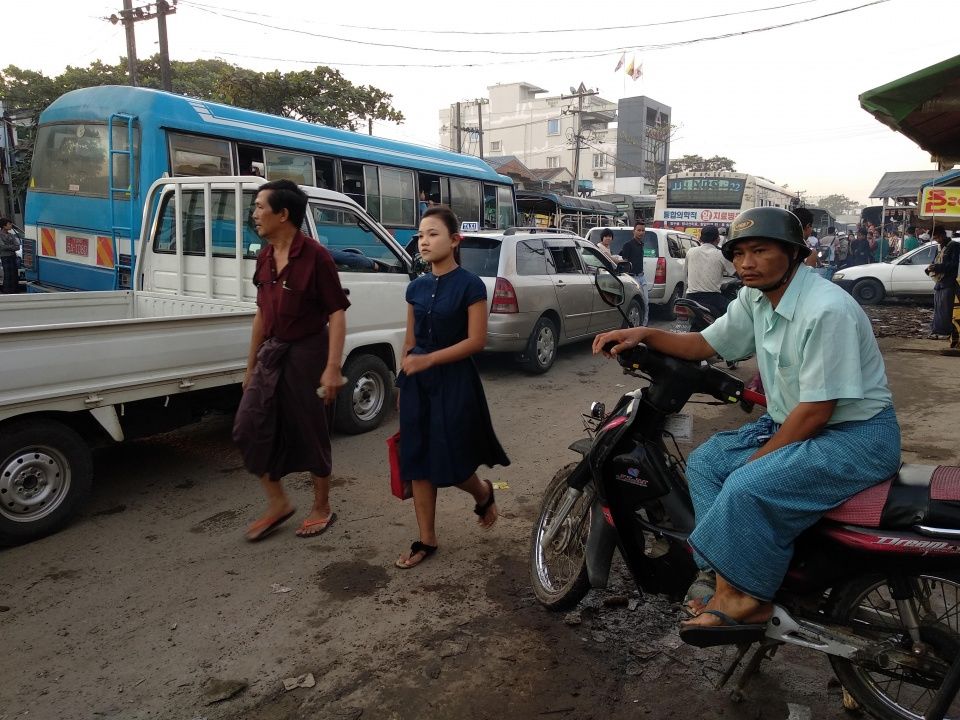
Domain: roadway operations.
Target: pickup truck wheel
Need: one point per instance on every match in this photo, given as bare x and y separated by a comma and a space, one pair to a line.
867, 291
362, 403
541, 347
45, 472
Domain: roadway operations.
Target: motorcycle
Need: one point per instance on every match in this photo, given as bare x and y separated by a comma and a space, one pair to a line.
875, 585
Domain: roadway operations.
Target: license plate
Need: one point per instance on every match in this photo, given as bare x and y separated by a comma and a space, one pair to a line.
78, 246
680, 426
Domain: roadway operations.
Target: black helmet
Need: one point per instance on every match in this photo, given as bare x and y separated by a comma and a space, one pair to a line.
766, 223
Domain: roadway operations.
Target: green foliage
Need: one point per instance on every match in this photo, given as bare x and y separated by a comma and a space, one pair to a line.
697, 163
322, 95
838, 204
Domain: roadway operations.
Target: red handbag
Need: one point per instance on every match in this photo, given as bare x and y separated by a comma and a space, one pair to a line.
402, 490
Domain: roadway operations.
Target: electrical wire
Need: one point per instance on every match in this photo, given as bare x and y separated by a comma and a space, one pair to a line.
573, 55
578, 30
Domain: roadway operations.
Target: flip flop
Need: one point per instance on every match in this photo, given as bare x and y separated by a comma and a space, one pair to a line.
267, 526
731, 632
417, 547
304, 531
481, 510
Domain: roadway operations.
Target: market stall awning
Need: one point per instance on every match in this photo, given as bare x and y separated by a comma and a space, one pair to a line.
924, 106
903, 184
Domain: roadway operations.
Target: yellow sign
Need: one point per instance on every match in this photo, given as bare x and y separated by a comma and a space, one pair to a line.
940, 202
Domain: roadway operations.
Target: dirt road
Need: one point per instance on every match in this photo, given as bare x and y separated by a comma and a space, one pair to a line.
152, 606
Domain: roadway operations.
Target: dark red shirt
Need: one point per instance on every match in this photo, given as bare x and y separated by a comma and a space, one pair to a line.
298, 301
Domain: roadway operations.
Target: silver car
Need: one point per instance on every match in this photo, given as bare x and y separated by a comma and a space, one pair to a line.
541, 292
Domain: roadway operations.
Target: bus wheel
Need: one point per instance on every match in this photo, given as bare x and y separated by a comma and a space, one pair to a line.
45, 472
363, 402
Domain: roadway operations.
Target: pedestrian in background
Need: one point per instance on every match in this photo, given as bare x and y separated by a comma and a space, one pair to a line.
633, 252
706, 268
9, 244
296, 345
606, 239
859, 249
806, 222
910, 240
944, 273
445, 427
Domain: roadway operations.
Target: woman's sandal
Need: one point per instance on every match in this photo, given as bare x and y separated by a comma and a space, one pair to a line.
481, 510
416, 547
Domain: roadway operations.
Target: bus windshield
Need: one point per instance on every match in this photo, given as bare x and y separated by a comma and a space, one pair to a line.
705, 192
72, 158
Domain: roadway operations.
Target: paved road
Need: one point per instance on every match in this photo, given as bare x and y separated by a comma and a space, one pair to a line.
150, 605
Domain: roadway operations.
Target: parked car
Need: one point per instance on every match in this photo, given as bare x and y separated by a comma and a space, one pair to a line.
903, 276
541, 292
664, 263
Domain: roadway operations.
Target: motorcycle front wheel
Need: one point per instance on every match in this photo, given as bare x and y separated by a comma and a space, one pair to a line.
558, 571
895, 692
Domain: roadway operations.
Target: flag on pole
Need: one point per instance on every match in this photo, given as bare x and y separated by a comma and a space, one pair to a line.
638, 72
630, 67
623, 59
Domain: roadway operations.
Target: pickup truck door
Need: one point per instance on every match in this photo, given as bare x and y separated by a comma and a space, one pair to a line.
908, 276
372, 271
574, 286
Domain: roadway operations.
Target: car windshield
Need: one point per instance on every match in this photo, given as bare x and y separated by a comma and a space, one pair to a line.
480, 255
621, 236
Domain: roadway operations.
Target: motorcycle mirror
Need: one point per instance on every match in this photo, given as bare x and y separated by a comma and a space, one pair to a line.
610, 287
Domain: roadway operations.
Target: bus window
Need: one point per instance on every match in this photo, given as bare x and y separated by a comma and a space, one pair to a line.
352, 243
353, 183
250, 160
326, 172
190, 155
371, 183
399, 201
72, 159
489, 207
289, 166
506, 212
465, 199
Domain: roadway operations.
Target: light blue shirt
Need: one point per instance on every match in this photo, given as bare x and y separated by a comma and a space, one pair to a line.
816, 345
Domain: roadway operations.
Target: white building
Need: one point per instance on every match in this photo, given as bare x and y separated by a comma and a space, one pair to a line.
541, 131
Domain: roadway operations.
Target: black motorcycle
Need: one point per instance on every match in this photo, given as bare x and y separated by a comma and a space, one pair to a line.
875, 585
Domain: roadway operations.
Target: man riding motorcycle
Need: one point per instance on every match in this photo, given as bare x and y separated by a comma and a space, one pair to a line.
829, 433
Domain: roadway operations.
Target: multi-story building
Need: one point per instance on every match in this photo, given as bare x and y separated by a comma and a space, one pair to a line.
626, 156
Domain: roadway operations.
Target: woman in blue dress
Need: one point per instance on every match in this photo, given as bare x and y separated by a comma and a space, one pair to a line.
445, 427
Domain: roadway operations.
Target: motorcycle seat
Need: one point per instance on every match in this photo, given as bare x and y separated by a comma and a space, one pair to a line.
917, 495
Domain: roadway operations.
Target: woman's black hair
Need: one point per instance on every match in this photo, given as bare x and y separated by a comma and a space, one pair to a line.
286, 195
445, 215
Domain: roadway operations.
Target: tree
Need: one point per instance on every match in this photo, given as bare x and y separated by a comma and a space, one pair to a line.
696, 163
322, 95
838, 204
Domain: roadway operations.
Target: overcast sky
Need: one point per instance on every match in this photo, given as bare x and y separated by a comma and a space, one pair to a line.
781, 103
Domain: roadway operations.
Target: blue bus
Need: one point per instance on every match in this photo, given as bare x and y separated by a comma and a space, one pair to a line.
98, 150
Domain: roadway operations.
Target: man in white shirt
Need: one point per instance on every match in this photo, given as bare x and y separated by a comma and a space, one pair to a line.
706, 268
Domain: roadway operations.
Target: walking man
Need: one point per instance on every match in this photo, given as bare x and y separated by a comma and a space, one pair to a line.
706, 267
633, 253
944, 272
295, 346
9, 244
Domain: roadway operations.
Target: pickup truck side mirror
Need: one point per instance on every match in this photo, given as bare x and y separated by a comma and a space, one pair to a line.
625, 267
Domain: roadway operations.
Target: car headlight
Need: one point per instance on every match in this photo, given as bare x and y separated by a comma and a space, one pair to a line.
838, 276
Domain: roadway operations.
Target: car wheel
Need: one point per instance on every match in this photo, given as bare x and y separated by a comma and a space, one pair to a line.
666, 311
362, 402
868, 291
634, 314
542, 346
45, 472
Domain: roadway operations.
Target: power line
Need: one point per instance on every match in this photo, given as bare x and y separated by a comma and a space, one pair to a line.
575, 55
578, 30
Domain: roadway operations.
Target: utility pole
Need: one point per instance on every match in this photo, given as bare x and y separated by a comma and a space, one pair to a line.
579, 93
457, 126
131, 15
477, 129
369, 126
480, 125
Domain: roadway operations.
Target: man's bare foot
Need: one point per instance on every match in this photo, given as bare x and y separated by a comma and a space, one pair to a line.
733, 604
269, 521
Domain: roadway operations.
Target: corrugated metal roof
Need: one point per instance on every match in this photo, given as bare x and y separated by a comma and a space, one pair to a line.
903, 184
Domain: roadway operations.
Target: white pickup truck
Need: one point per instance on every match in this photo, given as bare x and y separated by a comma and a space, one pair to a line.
88, 368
